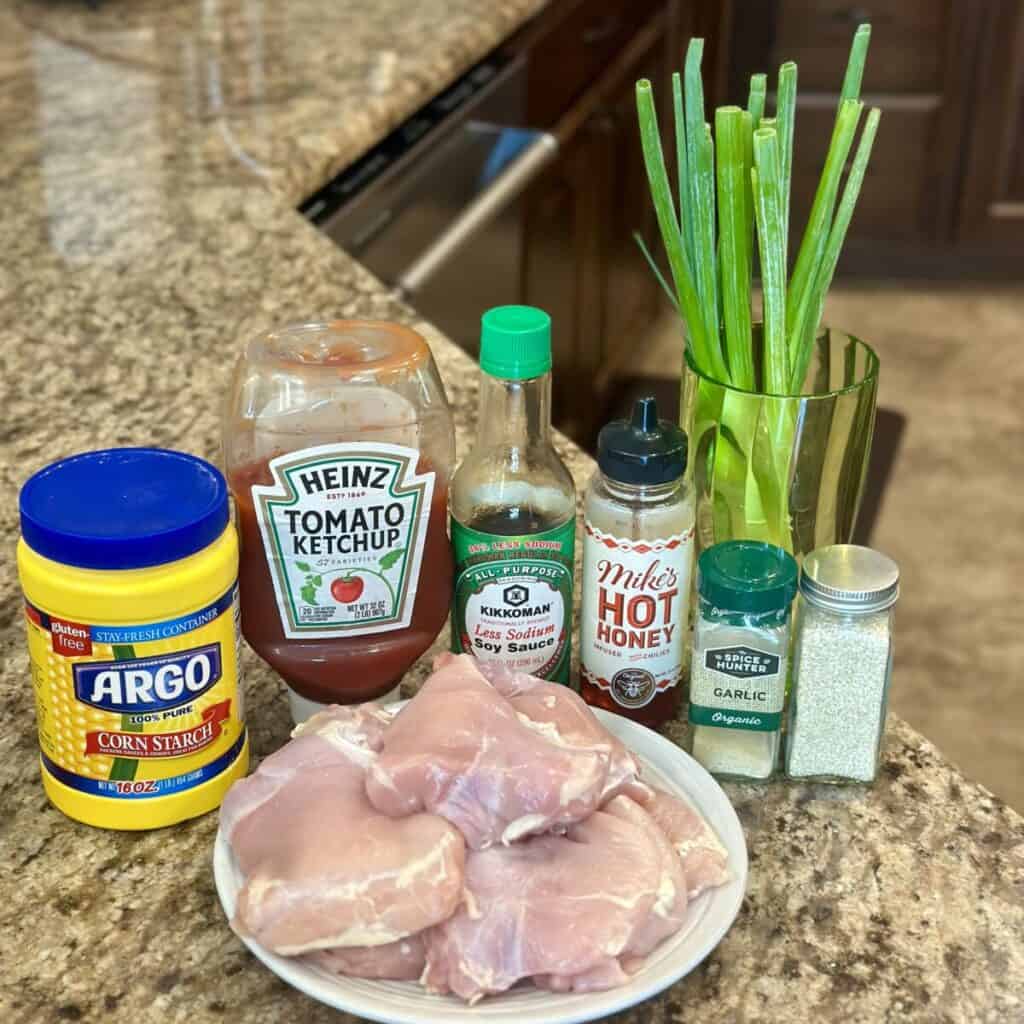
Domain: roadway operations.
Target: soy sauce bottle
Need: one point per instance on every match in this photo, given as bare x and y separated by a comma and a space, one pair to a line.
513, 509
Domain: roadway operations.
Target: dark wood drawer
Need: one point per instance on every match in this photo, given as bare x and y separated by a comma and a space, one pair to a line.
896, 187
907, 42
575, 51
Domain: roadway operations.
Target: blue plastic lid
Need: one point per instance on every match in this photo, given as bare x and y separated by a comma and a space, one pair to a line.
123, 508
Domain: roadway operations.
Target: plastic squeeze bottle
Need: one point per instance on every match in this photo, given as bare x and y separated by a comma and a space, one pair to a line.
513, 509
637, 561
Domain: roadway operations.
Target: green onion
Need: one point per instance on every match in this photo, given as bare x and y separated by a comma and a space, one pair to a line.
755, 101
785, 113
707, 266
812, 248
855, 65
747, 189
771, 249
837, 234
683, 170
748, 186
804, 312
661, 195
701, 193
692, 130
734, 240
656, 270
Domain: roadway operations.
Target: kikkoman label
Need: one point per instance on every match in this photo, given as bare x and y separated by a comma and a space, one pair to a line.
513, 599
738, 687
343, 528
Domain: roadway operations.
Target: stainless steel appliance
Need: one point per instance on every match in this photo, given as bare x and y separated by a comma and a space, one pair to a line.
432, 209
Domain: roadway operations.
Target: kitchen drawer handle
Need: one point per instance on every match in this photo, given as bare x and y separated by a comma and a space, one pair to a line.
601, 30
476, 214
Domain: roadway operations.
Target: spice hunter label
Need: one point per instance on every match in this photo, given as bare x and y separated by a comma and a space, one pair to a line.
513, 598
740, 688
137, 711
343, 528
631, 628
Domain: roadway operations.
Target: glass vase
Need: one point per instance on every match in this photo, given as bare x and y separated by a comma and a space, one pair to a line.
789, 470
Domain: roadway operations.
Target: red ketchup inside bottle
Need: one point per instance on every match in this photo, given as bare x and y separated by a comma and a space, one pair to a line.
339, 452
342, 670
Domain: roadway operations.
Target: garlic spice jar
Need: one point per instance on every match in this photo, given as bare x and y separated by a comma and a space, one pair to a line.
637, 559
740, 657
842, 664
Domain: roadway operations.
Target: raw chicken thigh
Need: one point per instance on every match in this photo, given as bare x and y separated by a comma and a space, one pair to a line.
321, 867
352, 842
705, 859
356, 729
564, 910
398, 961
669, 907
460, 750
554, 706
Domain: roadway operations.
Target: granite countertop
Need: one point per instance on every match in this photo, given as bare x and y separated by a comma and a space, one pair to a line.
151, 156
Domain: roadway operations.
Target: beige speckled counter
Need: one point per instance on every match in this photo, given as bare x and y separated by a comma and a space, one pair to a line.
151, 155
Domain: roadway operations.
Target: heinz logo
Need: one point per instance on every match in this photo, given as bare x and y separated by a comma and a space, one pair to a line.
148, 684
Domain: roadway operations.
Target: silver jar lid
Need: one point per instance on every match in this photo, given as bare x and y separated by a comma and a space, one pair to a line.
850, 578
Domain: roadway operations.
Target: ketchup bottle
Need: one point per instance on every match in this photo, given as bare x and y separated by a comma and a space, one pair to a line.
339, 450
637, 560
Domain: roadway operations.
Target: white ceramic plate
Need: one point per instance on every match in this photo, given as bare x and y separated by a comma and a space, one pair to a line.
708, 918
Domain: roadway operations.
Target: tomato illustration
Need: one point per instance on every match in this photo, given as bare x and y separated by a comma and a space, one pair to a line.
346, 589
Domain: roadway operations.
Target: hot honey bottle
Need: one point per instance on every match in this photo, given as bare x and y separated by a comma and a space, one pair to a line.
637, 560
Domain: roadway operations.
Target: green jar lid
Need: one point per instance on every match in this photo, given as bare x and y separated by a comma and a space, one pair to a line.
747, 576
515, 342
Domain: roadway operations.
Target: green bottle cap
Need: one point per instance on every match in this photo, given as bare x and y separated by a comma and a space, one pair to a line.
515, 342
747, 576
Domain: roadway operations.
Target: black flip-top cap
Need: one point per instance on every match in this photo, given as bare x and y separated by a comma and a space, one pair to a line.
642, 450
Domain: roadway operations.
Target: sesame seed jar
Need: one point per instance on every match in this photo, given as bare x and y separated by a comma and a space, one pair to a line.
842, 664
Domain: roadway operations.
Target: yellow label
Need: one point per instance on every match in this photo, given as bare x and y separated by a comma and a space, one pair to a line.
142, 711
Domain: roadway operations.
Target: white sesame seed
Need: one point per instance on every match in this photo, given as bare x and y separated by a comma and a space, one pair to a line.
837, 715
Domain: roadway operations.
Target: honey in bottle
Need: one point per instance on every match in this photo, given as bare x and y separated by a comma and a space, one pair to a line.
637, 560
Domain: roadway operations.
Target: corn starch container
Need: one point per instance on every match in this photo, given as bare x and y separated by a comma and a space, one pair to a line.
129, 566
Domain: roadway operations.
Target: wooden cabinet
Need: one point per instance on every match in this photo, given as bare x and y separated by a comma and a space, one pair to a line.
583, 39
907, 52
993, 192
561, 271
947, 170
580, 259
896, 201
946, 178
911, 74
